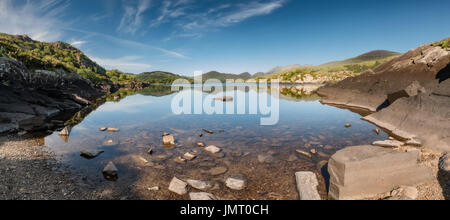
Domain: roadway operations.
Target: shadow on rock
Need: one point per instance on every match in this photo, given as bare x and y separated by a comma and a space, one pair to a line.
444, 74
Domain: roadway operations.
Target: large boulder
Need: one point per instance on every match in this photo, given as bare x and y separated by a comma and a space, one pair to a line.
362, 172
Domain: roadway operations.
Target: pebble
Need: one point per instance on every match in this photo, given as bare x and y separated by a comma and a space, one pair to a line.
178, 186
200, 185
200, 144
179, 160
103, 129
265, 158
213, 149
113, 130
218, 171
303, 153
236, 183
189, 156
348, 125
155, 188
168, 140
313, 151
109, 143
202, 196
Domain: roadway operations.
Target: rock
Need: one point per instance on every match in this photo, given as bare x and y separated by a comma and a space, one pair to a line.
348, 125
189, 156
362, 172
165, 134
208, 131
110, 172
113, 130
313, 151
103, 129
388, 143
414, 142
155, 188
405, 193
307, 186
202, 196
303, 153
143, 160
236, 183
444, 163
213, 149
200, 144
179, 160
200, 185
416, 152
412, 90
200, 135
65, 131
90, 155
265, 158
178, 186
216, 171
150, 151
109, 143
168, 140
377, 131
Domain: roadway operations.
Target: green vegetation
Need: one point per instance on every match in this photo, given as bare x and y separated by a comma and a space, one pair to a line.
445, 44
224, 76
334, 71
50, 56
120, 77
159, 77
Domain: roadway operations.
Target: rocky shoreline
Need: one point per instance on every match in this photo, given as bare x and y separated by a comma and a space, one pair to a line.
408, 96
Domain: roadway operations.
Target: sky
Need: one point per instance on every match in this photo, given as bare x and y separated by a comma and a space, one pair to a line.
230, 36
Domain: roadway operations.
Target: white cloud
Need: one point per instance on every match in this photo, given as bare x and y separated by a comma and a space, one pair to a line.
132, 18
127, 64
78, 43
38, 19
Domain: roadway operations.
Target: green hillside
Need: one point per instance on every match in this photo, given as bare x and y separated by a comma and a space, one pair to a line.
335, 70
159, 77
51, 56
224, 76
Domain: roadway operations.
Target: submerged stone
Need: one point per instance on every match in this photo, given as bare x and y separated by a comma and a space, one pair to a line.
110, 172
202, 196
236, 183
178, 186
307, 185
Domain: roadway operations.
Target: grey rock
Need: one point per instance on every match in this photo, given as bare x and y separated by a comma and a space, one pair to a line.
307, 185
65, 131
113, 130
189, 156
110, 172
168, 140
388, 143
213, 149
90, 155
178, 186
200, 185
202, 196
361, 172
236, 183
303, 153
216, 171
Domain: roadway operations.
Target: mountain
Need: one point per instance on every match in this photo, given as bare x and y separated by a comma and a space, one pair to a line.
367, 57
160, 77
224, 76
259, 74
330, 72
51, 56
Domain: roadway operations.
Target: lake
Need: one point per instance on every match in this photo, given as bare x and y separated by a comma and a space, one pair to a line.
143, 116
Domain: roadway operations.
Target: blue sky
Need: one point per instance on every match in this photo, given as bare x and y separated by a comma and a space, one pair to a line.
234, 36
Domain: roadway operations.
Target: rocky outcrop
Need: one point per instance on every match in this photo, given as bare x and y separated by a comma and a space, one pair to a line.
31, 99
409, 95
363, 172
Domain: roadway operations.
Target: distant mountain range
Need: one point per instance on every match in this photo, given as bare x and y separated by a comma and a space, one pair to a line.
370, 56
160, 77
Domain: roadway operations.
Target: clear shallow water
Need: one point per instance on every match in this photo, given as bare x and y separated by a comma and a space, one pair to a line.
142, 118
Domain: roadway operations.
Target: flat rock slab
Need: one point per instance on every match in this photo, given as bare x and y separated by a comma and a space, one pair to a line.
362, 172
307, 185
213, 149
202, 196
200, 185
218, 171
236, 183
388, 143
178, 186
168, 139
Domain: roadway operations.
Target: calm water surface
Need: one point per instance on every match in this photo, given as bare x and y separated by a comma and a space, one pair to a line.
143, 117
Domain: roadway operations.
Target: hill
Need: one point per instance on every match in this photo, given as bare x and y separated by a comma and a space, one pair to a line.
224, 76
52, 56
160, 77
376, 55
330, 72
